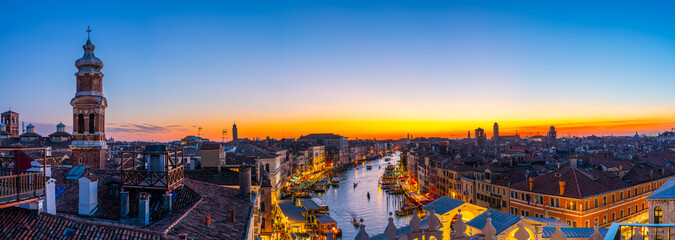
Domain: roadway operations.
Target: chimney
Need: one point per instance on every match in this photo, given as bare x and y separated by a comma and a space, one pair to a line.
651, 174
144, 208
245, 181
183, 236
50, 196
574, 162
531, 183
208, 220
562, 187
124, 204
88, 197
233, 215
167, 203
663, 172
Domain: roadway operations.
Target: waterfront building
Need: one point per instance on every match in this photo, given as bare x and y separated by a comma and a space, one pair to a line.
583, 196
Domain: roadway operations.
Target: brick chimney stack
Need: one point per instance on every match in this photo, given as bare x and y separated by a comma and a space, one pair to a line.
531, 183
562, 187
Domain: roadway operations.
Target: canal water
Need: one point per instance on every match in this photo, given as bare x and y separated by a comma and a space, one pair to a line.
346, 202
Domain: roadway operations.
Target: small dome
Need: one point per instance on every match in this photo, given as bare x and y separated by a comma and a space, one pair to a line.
30, 125
61, 125
89, 62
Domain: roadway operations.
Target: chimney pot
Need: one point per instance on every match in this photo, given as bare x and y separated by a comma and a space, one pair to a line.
531, 183
183, 236
233, 215
562, 187
208, 220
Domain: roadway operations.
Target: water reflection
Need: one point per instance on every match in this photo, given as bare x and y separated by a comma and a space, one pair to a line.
346, 202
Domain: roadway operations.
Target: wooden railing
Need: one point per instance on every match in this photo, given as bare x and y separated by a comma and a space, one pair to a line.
22, 184
152, 179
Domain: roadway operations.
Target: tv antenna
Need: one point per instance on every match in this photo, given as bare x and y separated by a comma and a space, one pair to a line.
199, 131
224, 134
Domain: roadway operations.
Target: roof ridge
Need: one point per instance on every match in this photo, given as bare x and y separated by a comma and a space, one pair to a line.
576, 181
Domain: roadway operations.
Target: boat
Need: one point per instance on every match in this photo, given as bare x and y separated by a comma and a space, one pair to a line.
320, 186
335, 181
369, 167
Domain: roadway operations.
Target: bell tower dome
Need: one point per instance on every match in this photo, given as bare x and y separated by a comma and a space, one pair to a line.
89, 145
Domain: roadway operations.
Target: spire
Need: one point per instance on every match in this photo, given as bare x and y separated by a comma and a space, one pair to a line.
390, 230
433, 221
89, 62
459, 227
362, 235
522, 234
415, 222
489, 231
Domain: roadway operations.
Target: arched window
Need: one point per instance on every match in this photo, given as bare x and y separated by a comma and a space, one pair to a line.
262, 206
92, 128
658, 215
80, 123
267, 167
263, 223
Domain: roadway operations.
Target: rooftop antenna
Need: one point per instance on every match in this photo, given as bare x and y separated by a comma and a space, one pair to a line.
224, 134
199, 131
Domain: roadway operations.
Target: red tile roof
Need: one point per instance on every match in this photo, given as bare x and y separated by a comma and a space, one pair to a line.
19, 223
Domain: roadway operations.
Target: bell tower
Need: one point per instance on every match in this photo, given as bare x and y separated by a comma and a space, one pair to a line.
89, 145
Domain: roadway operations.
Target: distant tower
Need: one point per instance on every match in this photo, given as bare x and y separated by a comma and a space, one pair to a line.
89, 142
480, 136
61, 127
468, 134
495, 130
234, 132
551, 134
11, 120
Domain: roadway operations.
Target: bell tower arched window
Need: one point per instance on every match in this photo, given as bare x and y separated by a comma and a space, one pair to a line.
80, 123
92, 120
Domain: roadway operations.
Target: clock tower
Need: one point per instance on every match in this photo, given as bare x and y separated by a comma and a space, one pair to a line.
89, 142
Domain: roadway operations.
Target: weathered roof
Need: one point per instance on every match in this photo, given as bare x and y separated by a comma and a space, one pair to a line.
500, 220
666, 191
293, 213
444, 205
324, 219
549, 221
571, 232
19, 223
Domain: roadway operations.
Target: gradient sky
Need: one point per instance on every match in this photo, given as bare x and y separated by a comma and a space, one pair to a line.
358, 68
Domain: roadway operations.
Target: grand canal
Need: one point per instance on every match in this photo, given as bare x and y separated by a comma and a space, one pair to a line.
346, 202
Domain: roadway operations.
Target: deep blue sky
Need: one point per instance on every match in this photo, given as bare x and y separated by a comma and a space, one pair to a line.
328, 65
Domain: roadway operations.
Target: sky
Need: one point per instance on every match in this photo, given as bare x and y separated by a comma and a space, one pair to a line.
362, 69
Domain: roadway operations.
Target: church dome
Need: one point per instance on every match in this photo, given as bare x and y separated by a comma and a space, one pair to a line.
89, 62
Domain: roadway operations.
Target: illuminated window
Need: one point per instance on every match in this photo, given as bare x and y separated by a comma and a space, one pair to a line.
658, 215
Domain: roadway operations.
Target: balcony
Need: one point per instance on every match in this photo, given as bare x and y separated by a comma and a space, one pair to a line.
17, 185
156, 169
153, 179
618, 231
